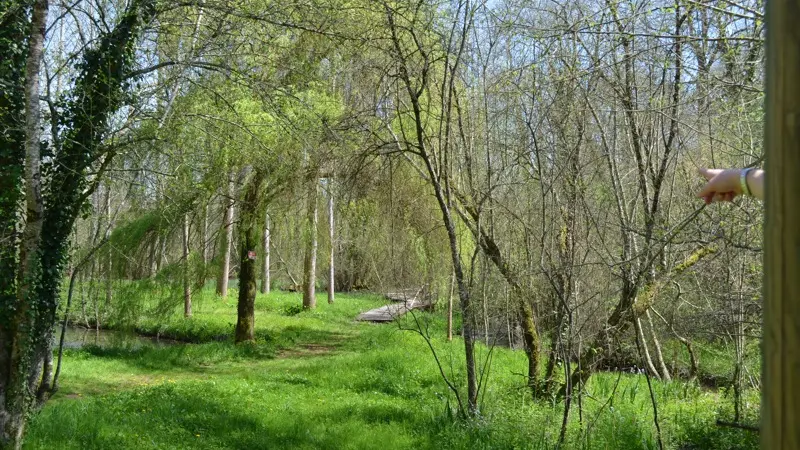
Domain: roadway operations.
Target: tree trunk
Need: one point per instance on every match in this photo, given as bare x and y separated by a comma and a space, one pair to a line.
152, 257
433, 168
531, 338
662, 366
15, 28
265, 280
310, 263
204, 238
248, 242
485, 307
553, 356
331, 282
490, 248
158, 254
45, 387
450, 308
466, 309
99, 85
107, 236
645, 350
227, 240
20, 358
84, 316
624, 314
187, 293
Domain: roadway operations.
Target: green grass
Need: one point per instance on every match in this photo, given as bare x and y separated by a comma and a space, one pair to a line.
317, 379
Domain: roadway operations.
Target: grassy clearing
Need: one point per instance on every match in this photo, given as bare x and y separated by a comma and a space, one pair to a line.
317, 379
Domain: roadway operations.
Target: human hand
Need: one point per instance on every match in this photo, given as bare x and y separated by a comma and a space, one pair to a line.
723, 185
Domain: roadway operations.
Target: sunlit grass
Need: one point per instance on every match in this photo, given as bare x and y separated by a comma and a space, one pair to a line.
318, 379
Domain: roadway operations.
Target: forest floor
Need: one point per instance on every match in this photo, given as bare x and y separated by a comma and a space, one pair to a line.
320, 380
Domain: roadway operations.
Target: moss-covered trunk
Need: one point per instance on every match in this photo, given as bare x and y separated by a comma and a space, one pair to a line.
27, 315
249, 229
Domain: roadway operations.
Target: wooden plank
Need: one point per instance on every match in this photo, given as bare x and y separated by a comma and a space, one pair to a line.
389, 313
780, 409
403, 295
386, 313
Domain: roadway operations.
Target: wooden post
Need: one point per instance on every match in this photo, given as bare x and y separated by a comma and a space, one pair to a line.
780, 414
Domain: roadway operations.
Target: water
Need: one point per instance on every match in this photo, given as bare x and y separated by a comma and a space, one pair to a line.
78, 337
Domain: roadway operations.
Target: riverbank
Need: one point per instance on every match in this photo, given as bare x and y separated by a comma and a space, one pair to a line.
318, 379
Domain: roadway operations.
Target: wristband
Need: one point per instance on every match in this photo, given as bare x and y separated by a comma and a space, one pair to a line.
743, 181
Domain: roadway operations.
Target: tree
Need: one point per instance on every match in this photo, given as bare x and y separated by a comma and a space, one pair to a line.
98, 92
226, 238
310, 259
332, 240
248, 242
414, 60
265, 259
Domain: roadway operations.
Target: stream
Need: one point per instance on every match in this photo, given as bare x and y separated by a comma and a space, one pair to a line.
79, 337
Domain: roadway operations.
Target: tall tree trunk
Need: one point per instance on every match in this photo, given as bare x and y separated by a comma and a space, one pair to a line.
107, 236
466, 308
97, 95
187, 293
310, 263
265, 279
450, 308
93, 294
84, 316
248, 242
331, 235
434, 166
20, 359
16, 28
204, 238
227, 240
485, 307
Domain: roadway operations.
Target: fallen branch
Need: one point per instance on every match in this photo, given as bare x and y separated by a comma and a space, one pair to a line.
741, 426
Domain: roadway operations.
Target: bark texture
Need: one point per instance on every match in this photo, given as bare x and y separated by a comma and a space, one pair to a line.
227, 240
27, 317
249, 239
265, 276
310, 262
332, 237
21, 366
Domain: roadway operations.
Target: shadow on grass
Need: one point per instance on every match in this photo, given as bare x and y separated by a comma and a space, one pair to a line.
295, 340
198, 415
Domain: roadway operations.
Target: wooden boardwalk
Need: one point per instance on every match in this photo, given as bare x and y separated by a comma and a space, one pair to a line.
403, 302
